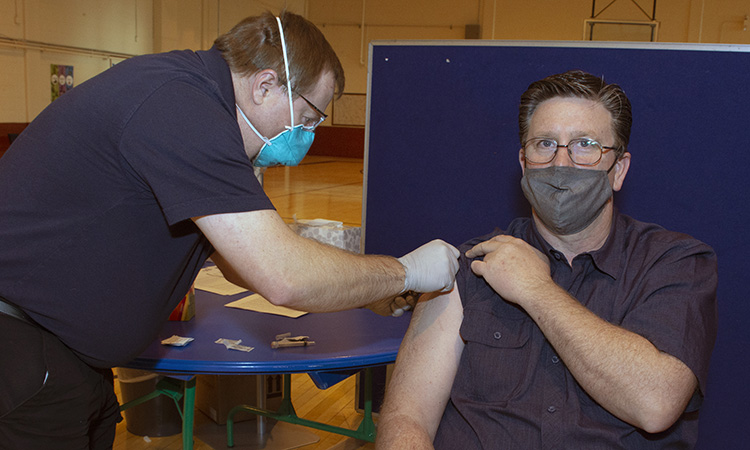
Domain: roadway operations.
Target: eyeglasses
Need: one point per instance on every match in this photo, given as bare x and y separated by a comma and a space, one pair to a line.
310, 124
584, 152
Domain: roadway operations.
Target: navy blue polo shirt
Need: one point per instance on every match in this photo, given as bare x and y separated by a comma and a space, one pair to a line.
96, 196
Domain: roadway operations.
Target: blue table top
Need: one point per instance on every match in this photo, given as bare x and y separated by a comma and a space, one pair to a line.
344, 340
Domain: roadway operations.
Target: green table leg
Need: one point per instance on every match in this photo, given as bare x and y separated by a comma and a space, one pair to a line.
139, 400
188, 418
176, 390
286, 413
367, 427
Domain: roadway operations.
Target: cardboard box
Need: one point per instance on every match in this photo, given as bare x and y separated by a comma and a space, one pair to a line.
330, 232
216, 395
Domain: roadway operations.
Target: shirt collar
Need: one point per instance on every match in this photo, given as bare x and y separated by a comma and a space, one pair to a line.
606, 259
219, 70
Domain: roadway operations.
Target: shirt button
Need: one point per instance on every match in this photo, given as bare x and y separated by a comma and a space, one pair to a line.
498, 335
555, 359
551, 409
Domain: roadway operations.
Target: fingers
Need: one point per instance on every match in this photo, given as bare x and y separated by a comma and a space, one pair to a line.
395, 306
483, 248
477, 250
403, 303
491, 245
431, 267
411, 301
381, 307
478, 267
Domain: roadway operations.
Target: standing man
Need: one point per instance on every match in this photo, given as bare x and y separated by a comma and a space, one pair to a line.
579, 327
115, 195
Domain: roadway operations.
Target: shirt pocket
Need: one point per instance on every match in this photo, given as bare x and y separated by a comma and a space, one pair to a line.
497, 358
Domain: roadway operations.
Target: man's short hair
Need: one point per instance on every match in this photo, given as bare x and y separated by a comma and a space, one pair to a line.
579, 84
254, 44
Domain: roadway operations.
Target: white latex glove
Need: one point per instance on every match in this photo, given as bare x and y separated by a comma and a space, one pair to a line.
432, 267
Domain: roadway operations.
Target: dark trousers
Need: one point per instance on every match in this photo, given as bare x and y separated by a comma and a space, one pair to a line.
49, 398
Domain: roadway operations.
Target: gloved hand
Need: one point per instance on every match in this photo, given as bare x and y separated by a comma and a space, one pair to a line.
404, 302
395, 306
432, 267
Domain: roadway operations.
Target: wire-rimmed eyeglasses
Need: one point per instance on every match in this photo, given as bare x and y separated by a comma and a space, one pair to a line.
309, 123
584, 152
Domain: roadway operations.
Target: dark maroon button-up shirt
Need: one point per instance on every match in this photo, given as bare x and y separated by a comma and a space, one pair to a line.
512, 391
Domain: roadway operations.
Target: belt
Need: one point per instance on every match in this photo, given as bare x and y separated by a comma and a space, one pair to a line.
12, 310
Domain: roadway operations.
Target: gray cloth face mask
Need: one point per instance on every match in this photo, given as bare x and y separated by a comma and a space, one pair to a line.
566, 199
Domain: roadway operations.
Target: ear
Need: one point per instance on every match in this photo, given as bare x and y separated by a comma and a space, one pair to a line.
262, 83
522, 162
621, 170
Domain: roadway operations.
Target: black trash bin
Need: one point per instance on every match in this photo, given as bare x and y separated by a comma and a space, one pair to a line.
157, 417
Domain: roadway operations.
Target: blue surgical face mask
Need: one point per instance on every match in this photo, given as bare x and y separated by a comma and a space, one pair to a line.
286, 148
291, 145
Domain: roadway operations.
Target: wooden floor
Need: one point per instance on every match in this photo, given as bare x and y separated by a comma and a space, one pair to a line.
326, 188
321, 187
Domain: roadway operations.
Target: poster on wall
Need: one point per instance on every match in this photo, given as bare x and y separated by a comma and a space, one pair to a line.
61, 79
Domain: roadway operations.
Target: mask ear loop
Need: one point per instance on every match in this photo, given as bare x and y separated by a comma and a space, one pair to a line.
255, 130
288, 76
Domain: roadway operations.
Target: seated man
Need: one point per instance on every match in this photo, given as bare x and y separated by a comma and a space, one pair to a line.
578, 327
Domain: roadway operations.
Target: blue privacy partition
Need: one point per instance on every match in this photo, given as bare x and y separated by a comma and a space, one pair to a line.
442, 161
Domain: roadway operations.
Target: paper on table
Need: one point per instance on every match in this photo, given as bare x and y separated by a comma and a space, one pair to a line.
177, 341
210, 279
257, 303
234, 344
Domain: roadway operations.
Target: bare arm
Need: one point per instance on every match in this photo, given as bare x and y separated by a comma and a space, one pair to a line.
258, 251
425, 369
620, 369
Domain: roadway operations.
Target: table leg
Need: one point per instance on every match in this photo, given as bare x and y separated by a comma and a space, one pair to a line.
367, 427
188, 417
286, 413
260, 397
171, 388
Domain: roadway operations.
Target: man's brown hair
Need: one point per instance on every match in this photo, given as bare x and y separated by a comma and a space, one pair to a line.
254, 44
579, 84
